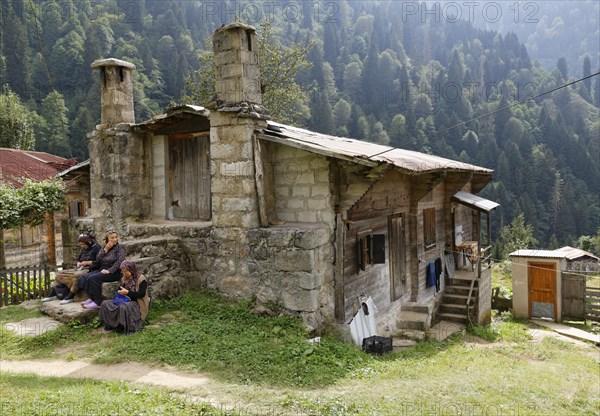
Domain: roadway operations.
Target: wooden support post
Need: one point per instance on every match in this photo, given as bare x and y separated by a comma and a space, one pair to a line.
413, 254
340, 236
50, 240
260, 183
2, 250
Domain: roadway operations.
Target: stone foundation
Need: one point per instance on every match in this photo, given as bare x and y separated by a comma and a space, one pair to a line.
286, 269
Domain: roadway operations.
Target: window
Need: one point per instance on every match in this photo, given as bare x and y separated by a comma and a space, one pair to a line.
363, 251
370, 249
77, 209
429, 227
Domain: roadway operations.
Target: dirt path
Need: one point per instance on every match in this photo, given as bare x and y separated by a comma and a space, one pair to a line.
138, 373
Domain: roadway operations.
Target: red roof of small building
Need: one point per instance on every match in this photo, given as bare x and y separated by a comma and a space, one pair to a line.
17, 165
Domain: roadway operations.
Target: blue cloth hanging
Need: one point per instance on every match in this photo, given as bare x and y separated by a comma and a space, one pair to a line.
430, 280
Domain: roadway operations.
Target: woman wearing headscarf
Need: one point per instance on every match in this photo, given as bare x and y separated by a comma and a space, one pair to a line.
68, 280
107, 265
134, 291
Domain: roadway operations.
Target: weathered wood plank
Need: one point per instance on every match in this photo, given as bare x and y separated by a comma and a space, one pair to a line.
260, 183
339, 268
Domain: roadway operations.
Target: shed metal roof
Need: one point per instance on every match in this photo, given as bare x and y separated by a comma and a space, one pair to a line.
549, 254
572, 253
474, 201
566, 252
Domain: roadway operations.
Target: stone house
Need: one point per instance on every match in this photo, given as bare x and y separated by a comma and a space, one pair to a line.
311, 224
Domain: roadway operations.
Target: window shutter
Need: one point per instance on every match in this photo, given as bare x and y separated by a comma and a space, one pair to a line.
359, 255
378, 248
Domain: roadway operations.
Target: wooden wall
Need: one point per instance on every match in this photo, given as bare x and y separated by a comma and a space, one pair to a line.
434, 199
370, 214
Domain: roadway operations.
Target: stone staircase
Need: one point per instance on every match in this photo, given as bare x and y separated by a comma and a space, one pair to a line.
413, 321
454, 302
163, 261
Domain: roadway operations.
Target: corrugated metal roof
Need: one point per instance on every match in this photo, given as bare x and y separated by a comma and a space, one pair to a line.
566, 252
475, 201
550, 254
173, 115
357, 151
364, 152
573, 253
18, 164
80, 165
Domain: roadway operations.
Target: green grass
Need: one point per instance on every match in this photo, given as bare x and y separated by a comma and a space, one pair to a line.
267, 362
32, 395
234, 344
17, 313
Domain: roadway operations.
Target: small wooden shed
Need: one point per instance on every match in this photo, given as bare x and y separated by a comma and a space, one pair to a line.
537, 277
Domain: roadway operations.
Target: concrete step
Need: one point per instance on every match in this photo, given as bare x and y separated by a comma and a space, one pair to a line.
453, 308
410, 335
151, 246
416, 307
453, 317
400, 343
409, 320
459, 290
443, 329
453, 298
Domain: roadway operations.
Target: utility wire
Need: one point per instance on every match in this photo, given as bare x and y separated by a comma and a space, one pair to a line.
503, 108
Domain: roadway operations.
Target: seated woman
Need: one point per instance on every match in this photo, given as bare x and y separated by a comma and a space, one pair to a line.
108, 262
69, 279
129, 315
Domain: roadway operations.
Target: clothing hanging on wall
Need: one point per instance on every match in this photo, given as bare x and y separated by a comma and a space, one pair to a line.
438, 273
430, 278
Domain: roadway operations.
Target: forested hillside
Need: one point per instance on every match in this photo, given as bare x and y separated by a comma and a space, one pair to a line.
381, 71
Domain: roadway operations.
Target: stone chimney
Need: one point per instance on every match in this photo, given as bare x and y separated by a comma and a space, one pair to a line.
237, 72
236, 113
116, 91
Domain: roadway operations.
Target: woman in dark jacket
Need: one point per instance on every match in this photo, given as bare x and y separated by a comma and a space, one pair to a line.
131, 314
108, 262
70, 278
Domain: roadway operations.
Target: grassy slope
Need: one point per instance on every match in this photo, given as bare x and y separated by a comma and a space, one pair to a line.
267, 361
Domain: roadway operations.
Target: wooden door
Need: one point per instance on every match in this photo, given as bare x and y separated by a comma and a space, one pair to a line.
542, 290
573, 295
397, 256
189, 178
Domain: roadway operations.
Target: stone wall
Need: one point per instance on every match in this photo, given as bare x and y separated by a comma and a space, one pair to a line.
302, 186
233, 187
286, 269
120, 184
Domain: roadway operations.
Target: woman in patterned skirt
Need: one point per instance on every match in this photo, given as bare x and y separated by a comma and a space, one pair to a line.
131, 314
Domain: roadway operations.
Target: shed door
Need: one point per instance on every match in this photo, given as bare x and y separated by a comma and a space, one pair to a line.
573, 295
542, 290
189, 178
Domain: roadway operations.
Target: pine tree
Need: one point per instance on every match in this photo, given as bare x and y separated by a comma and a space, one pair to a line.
16, 130
370, 79
516, 236
563, 68
15, 51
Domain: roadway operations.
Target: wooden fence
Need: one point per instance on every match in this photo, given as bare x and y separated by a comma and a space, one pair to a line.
592, 303
24, 283
580, 296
